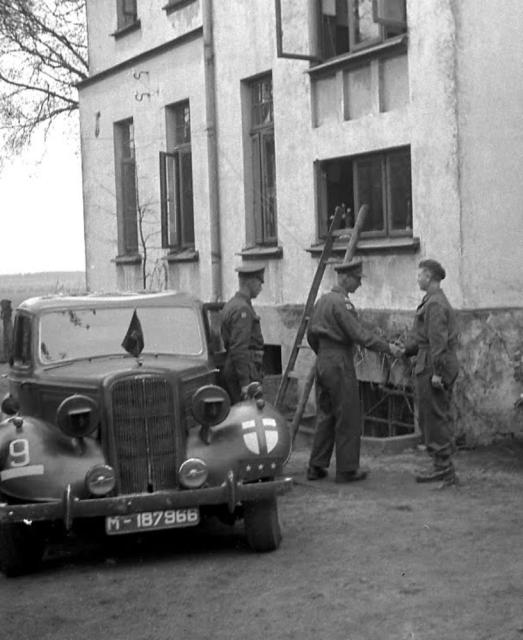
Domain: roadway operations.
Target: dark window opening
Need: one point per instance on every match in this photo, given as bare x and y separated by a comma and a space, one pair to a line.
176, 181
349, 25
272, 359
386, 411
381, 180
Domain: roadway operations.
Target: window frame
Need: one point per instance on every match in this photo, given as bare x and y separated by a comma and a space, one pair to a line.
384, 157
264, 195
124, 17
126, 198
175, 219
353, 46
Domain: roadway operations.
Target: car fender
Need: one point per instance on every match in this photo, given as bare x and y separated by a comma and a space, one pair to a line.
37, 461
250, 432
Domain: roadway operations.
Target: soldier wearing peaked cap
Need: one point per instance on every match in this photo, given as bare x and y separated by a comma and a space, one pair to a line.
333, 332
241, 333
434, 342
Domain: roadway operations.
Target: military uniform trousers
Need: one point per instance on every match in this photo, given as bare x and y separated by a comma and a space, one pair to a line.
435, 419
338, 420
230, 377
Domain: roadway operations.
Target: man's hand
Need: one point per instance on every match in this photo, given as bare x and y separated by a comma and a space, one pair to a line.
437, 382
244, 392
396, 350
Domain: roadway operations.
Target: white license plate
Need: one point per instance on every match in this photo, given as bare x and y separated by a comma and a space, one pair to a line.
152, 520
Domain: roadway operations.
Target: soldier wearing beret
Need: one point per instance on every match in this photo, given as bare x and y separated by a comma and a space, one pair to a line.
434, 343
241, 333
333, 332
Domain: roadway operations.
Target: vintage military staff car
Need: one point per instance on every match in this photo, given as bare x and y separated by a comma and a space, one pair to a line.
114, 413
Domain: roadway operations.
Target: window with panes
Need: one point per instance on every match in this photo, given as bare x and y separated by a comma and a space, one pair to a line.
126, 196
264, 160
380, 180
126, 12
176, 184
350, 25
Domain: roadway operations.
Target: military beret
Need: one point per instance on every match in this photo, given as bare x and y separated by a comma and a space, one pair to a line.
435, 268
251, 270
353, 268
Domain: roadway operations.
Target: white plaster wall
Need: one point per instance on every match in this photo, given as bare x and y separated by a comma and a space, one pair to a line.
490, 89
429, 124
157, 27
173, 76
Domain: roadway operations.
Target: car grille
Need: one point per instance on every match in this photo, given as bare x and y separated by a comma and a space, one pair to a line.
145, 437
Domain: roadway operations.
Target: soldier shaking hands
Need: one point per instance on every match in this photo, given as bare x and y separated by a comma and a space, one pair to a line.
333, 332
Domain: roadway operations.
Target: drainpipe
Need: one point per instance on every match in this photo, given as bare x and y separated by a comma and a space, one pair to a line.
212, 150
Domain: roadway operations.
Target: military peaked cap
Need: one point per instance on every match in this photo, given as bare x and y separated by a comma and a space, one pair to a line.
251, 270
353, 268
437, 271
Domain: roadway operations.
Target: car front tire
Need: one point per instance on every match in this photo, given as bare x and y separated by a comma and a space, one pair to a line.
262, 526
21, 548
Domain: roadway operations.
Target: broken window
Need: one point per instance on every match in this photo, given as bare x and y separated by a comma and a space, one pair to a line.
350, 25
126, 198
380, 180
176, 185
264, 160
126, 13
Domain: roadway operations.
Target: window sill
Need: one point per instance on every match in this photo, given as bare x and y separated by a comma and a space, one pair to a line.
393, 45
128, 259
371, 246
182, 255
120, 33
174, 5
262, 253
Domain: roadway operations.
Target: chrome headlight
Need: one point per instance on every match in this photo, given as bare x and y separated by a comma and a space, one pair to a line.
100, 480
193, 473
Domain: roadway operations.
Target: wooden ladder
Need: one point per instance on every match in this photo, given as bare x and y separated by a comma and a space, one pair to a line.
333, 233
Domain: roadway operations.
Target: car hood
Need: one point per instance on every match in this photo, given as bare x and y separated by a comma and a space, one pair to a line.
95, 370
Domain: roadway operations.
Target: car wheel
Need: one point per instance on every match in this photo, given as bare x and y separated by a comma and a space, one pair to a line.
262, 527
21, 548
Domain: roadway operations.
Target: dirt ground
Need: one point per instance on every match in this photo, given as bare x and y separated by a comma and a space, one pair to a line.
381, 559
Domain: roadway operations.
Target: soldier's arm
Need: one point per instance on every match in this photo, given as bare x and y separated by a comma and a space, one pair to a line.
354, 330
312, 339
436, 326
239, 340
411, 346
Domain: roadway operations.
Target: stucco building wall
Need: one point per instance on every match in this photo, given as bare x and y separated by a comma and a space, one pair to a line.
441, 96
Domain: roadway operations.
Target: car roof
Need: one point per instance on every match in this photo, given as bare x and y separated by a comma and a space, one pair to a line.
108, 301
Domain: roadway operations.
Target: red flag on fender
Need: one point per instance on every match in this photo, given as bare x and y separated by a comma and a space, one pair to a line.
133, 342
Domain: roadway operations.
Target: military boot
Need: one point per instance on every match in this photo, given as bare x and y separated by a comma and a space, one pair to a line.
438, 473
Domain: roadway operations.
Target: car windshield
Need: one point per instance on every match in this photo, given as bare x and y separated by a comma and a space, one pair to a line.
89, 333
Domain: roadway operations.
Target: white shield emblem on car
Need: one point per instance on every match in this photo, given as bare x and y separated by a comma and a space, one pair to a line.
260, 435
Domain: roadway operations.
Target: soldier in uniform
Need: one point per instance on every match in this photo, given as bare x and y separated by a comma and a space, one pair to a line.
333, 331
434, 343
241, 333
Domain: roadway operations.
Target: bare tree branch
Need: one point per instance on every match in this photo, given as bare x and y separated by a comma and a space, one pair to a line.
43, 55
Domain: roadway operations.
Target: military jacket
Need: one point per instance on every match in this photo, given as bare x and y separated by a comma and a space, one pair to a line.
242, 336
434, 338
335, 319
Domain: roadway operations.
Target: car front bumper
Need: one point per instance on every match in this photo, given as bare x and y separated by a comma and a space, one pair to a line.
231, 493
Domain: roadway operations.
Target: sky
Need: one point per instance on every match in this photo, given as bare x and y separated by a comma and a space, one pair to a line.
41, 218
